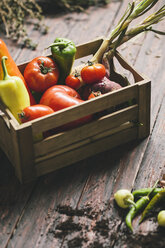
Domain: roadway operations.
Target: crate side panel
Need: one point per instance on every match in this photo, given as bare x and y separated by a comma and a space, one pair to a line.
86, 151
88, 107
5, 138
144, 103
91, 129
88, 140
22, 144
26, 151
137, 76
88, 48
15, 152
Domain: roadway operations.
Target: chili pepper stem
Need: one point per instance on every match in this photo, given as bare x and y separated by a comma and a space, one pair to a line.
131, 202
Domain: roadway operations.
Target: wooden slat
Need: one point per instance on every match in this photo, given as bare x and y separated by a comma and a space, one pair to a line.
137, 76
25, 223
5, 135
89, 130
88, 140
85, 151
144, 109
88, 48
88, 107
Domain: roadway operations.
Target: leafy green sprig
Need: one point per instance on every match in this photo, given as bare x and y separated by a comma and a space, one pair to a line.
121, 33
13, 14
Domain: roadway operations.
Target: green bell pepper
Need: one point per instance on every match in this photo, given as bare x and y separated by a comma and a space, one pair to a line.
63, 52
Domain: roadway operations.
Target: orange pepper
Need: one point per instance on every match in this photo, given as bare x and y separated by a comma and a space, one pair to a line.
12, 68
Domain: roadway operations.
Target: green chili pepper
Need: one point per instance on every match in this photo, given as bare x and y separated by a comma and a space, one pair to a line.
135, 209
145, 191
139, 205
154, 201
63, 52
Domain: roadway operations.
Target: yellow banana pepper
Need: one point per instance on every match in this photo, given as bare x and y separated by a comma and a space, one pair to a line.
13, 92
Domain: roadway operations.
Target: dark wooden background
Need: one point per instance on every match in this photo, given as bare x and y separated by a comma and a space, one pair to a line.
74, 207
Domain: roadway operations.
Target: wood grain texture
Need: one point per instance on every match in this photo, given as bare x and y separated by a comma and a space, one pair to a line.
74, 207
95, 127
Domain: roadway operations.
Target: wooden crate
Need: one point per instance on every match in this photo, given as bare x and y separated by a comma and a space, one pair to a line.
130, 122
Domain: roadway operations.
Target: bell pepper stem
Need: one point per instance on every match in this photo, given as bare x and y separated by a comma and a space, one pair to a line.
59, 44
6, 75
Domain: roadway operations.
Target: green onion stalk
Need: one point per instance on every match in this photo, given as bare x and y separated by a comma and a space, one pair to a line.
121, 33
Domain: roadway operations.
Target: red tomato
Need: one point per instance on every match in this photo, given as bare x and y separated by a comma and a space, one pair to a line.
35, 111
61, 96
73, 81
41, 73
92, 73
94, 94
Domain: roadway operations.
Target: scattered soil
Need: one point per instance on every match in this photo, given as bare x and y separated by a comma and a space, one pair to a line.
81, 228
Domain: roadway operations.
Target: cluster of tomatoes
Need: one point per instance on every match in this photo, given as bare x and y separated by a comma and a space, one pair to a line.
42, 77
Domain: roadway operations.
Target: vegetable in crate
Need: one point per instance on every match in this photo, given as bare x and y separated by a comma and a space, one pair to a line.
41, 73
92, 73
63, 51
73, 81
33, 112
94, 94
13, 92
12, 68
122, 33
105, 85
60, 97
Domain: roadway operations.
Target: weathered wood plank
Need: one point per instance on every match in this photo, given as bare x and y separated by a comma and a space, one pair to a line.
70, 137
128, 164
13, 199
37, 223
61, 26
152, 169
86, 192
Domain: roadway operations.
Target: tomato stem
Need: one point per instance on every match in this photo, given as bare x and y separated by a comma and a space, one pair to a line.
90, 63
44, 69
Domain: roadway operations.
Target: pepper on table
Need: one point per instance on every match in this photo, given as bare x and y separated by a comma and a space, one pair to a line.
135, 209
13, 92
145, 191
63, 51
138, 206
12, 68
154, 201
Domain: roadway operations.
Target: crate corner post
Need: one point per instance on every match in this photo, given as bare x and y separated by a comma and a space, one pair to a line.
23, 152
144, 108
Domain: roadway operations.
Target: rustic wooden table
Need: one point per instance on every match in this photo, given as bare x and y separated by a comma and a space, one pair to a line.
74, 207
